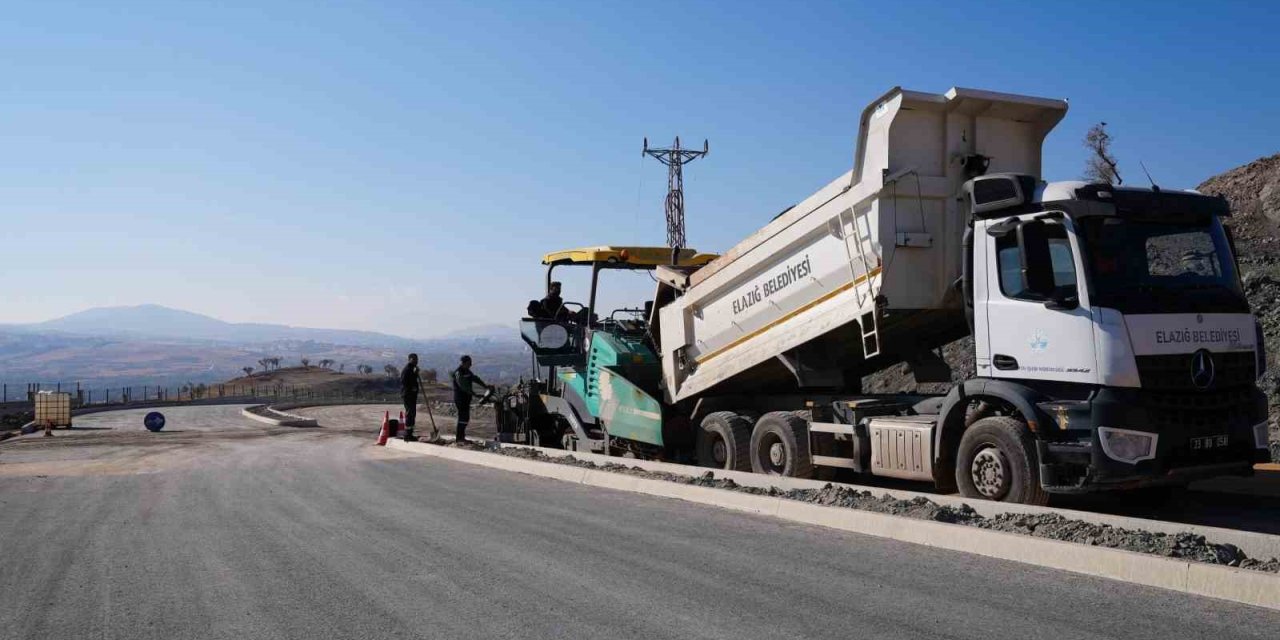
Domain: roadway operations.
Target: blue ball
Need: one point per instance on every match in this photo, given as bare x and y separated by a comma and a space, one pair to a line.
154, 421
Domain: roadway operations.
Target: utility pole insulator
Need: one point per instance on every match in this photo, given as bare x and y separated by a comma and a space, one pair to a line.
675, 158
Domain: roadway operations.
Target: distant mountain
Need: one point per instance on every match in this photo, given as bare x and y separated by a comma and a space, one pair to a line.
498, 332
155, 321
147, 319
151, 344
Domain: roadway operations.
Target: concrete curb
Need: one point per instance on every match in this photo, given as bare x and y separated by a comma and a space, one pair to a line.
278, 418
286, 406
1214, 581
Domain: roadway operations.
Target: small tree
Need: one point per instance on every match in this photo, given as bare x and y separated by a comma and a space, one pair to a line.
342, 367
430, 376
306, 362
248, 372
1101, 165
390, 370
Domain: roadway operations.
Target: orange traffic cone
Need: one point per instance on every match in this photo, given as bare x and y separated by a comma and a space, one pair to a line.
382, 435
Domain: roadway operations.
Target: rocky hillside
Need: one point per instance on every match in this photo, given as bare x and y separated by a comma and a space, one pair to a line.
321, 381
1254, 193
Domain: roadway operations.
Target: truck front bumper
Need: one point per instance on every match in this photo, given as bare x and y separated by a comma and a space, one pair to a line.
1199, 436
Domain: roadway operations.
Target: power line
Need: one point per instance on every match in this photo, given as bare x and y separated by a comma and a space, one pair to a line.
675, 158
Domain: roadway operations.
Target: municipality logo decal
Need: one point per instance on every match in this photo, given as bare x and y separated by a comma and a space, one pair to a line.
1039, 342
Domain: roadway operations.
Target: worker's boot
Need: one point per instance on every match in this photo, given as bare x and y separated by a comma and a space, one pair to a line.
408, 435
461, 436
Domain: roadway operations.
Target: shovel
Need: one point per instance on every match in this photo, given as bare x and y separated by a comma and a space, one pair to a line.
435, 431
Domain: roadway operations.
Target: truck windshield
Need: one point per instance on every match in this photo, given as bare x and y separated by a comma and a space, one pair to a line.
1146, 266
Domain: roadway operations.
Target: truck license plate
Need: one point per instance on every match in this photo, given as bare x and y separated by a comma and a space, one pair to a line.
1208, 442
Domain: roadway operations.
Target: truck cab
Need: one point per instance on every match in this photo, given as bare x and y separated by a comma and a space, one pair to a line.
1119, 313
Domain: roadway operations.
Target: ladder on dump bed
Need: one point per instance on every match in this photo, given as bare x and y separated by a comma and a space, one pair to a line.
869, 320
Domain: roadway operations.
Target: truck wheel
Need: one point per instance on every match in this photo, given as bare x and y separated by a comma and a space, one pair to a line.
780, 445
724, 441
997, 461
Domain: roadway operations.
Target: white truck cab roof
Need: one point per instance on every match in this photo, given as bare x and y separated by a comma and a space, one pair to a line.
1067, 190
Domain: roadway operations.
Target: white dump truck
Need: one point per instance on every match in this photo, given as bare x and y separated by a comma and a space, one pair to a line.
1113, 345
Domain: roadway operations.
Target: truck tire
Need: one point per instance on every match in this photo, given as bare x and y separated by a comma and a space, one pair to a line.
780, 445
997, 461
724, 441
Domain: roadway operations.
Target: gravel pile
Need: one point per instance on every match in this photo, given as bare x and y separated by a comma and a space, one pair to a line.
448, 409
1184, 546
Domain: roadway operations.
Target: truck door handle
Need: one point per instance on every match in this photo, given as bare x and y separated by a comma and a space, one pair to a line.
1004, 363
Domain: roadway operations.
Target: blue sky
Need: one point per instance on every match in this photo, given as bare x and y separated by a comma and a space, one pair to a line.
401, 166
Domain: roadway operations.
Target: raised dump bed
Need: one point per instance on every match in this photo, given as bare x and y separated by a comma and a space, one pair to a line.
863, 273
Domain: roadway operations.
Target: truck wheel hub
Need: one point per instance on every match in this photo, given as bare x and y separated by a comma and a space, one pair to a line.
777, 454
989, 475
719, 451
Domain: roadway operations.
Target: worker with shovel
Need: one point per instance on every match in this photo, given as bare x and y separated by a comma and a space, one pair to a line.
464, 382
410, 386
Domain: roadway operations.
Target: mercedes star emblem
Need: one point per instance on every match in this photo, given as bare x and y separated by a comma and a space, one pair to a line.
1202, 369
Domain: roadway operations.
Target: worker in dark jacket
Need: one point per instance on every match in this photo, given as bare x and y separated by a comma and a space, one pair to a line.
550, 307
464, 384
553, 304
410, 384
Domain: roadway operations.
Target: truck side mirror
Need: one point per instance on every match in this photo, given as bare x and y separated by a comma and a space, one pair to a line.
1037, 265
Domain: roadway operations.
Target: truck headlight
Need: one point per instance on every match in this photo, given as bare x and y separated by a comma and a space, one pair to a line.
1127, 446
1260, 435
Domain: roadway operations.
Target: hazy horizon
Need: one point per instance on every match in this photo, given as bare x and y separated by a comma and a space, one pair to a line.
444, 334
401, 167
